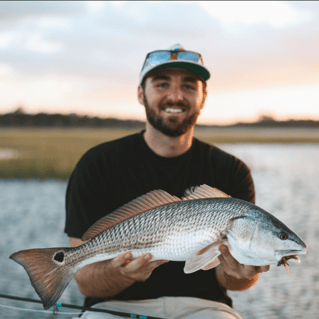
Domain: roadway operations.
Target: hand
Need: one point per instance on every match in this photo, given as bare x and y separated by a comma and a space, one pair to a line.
234, 276
233, 268
108, 278
138, 269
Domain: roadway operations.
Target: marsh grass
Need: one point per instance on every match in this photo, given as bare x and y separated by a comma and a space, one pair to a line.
49, 153
53, 153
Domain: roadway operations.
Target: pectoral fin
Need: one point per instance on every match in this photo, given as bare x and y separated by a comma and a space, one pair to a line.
204, 259
212, 265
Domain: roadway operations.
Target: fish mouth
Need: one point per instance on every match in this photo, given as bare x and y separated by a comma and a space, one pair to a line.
284, 255
283, 260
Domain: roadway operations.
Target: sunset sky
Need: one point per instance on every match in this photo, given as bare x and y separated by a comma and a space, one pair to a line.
85, 57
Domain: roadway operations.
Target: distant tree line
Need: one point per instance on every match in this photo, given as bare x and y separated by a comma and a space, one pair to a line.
19, 118
268, 121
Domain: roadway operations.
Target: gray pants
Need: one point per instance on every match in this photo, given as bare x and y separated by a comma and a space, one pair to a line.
166, 307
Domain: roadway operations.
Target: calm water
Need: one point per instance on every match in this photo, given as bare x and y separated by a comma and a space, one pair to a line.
287, 185
6, 153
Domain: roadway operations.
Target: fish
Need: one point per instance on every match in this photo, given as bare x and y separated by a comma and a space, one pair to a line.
189, 229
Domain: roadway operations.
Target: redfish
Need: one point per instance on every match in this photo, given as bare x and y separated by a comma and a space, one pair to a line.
189, 229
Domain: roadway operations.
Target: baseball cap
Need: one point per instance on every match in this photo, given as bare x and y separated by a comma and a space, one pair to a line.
175, 57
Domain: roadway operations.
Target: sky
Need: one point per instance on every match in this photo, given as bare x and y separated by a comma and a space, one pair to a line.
85, 57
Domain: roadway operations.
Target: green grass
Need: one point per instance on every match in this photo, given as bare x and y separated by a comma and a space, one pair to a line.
53, 153
49, 153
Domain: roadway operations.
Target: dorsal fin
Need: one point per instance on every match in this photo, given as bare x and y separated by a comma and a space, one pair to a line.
137, 206
203, 191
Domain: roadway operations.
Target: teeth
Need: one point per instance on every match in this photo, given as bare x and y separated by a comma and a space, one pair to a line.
173, 111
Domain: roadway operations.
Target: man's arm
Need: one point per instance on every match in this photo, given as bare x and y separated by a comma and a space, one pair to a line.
108, 278
234, 276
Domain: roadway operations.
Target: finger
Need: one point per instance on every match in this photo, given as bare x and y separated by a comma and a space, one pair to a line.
121, 259
249, 272
138, 263
228, 258
226, 267
154, 264
264, 268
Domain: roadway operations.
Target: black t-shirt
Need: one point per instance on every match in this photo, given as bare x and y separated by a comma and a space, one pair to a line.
114, 173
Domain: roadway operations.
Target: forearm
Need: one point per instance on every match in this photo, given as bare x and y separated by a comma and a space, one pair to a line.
233, 283
101, 280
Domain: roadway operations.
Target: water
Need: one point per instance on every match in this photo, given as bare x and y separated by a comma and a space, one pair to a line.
287, 183
8, 153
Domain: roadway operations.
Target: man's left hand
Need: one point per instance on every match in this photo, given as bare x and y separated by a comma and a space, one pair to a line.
235, 276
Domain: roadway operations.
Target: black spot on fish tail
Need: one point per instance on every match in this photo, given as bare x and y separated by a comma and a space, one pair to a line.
59, 257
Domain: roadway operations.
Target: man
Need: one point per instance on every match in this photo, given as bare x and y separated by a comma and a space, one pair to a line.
163, 156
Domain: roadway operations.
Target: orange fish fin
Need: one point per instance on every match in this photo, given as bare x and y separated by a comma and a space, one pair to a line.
212, 265
137, 206
47, 270
203, 191
206, 257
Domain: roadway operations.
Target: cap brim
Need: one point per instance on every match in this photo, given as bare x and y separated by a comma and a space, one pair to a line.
193, 67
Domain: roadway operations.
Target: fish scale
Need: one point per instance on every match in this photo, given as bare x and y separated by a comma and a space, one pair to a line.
189, 229
194, 218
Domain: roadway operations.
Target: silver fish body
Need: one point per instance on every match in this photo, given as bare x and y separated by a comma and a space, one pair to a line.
188, 230
169, 232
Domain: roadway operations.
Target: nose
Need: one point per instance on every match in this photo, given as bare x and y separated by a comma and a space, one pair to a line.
174, 94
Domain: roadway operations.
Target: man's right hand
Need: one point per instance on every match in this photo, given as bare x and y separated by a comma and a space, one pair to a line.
138, 269
108, 278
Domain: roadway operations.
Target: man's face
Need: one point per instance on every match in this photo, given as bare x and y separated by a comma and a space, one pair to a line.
173, 99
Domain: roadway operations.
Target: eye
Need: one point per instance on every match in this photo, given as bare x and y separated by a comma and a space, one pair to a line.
189, 87
283, 237
162, 85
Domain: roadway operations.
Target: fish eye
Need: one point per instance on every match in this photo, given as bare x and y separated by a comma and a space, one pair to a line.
283, 237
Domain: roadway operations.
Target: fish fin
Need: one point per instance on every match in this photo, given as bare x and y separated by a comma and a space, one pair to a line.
211, 265
47, 270
205, 257
137, 206
203, 191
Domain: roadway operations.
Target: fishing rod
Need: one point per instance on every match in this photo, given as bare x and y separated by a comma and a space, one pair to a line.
59, 305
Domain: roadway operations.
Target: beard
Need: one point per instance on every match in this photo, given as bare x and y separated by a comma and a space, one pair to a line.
171, 127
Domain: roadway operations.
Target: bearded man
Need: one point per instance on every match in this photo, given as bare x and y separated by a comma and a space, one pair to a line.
164, 156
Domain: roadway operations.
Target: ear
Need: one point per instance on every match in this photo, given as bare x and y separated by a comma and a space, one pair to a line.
140, 94
204, 97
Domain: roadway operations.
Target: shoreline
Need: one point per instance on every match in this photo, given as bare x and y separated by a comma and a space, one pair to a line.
53, 153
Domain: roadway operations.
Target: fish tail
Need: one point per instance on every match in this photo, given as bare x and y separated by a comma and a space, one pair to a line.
48, 271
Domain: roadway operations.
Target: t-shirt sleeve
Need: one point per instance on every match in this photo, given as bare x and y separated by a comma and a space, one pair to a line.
232, 175
241, 184
86, 199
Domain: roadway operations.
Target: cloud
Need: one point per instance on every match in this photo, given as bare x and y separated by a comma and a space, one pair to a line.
13, 11
277, 14
105, 43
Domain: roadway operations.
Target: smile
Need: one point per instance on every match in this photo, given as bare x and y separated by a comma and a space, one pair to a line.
170, 110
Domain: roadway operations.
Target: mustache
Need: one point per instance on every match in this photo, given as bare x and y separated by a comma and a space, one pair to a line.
172, 104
